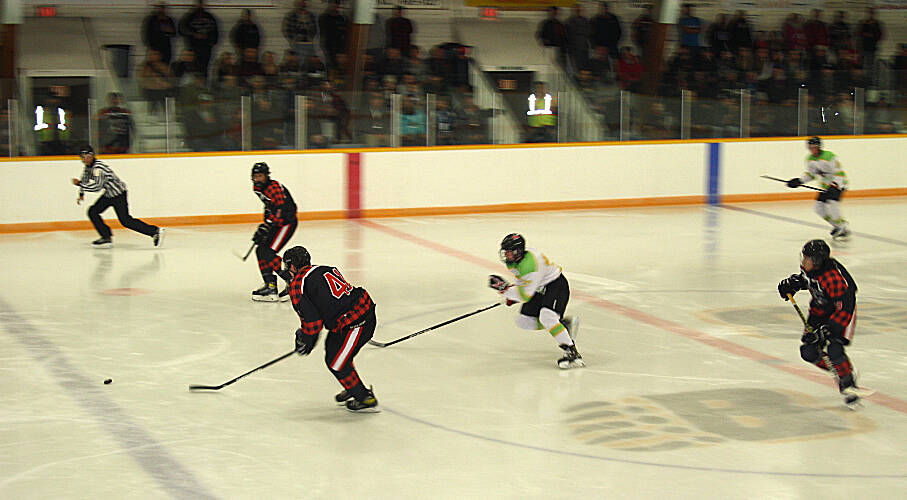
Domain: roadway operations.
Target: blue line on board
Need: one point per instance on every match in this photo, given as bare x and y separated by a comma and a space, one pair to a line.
714, 175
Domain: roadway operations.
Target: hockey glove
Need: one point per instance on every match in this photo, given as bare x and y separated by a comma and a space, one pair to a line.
795, 182
791, 285
261, 234
498, 283
833, 193
816, 336
305, 342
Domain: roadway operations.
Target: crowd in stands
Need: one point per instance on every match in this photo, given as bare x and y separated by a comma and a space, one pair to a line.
208, 94
715, 61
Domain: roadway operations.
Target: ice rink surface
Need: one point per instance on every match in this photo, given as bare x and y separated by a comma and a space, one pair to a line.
693, 388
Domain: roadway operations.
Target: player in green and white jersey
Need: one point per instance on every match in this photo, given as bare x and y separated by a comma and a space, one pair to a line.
544, 292
823, 165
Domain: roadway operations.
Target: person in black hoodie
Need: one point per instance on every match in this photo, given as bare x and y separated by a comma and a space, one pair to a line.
245, 33
158, 30
200, 31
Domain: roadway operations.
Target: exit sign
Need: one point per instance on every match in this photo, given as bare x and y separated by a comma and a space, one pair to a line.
488, 12
45, 11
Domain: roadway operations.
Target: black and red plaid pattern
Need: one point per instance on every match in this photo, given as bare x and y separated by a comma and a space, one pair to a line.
275, 206
362, 306
351, 380
835, 304
272, 265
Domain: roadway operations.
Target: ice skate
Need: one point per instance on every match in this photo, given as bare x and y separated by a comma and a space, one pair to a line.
571, 358
342, 397
853, 396
158, 237
840, 232
368, 404
267, 293
284, 294
572, 324
102, 243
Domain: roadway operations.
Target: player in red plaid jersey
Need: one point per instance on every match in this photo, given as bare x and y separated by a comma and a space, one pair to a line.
323, 299
271, 235
832, 313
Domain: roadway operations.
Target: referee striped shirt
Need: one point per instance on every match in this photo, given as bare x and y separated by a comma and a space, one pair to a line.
98, 176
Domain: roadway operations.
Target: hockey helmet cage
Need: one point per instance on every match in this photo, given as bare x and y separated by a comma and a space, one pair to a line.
515, 244
297, 256
261, 168
814, 141
818, 251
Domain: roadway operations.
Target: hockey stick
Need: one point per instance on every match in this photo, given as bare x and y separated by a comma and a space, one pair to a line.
439, 325
246, 256
825, 358
221, 386
784, 180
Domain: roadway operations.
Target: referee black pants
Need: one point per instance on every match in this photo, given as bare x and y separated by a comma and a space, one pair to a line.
121, 207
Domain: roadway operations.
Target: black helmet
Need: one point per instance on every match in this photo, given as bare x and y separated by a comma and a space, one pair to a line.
86, 149
814, 141
261, 168
818, 251
514, 243
297, 256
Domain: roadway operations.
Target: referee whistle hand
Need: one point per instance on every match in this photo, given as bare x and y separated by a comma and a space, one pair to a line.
75, 182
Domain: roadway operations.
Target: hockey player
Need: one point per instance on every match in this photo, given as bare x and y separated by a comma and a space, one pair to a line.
831, 314
97, 176
544, 292
824, 166
276, 230
323, 299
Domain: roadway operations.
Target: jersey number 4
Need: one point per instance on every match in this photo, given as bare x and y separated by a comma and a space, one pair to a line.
339, 287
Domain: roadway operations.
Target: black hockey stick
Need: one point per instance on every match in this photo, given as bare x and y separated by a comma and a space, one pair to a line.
221, 386
249, 252
785, 180
810, 329
439, 325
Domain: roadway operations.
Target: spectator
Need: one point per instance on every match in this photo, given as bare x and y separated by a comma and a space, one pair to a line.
445, 123
900, 68
334, 27
226, 65
299, 28
315, 72
434, 85
204, 127
115, 126
793, 33
746, 60
642, 27
869, 34
315, 136
290, 64
285, 99
629, 70
229, 96
245, 33
200, 33
155, 80
719, 34
333, 111
374, 127
474, 124
606, 31
415, 65
778, 89
399, 31
338, 74
817, 60
766, 62
880, 118
839, 36
267, 121
825, 86
578, 30
270, 70
184, 68
409, 85
689, 28
158, 30
600, 65
542, 118
249, 67
551, 33
741, 33
392, 63
188, 94
816, 30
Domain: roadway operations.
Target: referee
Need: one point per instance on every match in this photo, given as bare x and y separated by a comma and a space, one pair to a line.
98, 176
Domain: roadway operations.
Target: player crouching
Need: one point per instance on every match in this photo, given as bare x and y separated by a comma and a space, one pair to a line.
542, 288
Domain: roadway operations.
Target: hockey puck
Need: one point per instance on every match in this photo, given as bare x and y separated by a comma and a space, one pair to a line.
108, 381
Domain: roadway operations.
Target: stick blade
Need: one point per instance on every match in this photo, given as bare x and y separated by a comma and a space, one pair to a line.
376, 343
204, 387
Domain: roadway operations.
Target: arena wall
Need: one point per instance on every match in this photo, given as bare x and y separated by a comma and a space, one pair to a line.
36, 193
